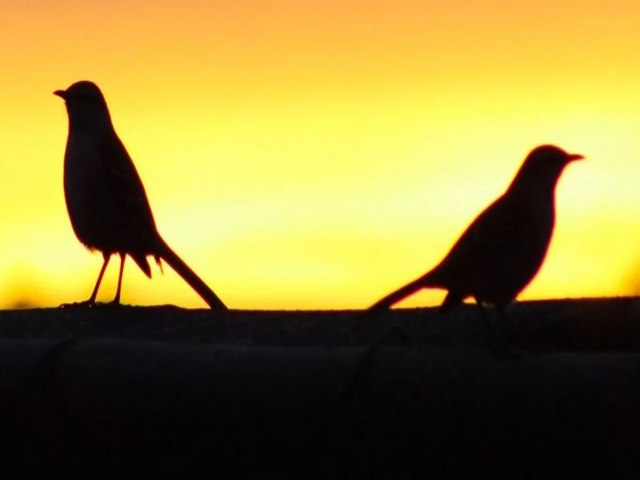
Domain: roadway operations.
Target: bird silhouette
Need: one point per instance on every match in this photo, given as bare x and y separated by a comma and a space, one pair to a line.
503, 248
105, 198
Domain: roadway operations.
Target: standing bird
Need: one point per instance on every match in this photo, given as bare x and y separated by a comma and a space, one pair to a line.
504, 247
105, 198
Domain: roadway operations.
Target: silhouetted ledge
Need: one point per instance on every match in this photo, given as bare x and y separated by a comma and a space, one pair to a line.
163, 392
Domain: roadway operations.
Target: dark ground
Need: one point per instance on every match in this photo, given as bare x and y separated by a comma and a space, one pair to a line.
164, 392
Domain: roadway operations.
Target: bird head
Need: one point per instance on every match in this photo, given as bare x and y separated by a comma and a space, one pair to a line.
86, 106
541, 169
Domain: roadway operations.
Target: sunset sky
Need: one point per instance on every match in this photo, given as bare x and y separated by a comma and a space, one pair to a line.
317, 154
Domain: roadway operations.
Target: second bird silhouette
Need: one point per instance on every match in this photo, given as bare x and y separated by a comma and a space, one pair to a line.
503, 248
105, 198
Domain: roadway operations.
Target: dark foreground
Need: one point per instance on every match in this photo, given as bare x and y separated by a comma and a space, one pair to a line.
170, 393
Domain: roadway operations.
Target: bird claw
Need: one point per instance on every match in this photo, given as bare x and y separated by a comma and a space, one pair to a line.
91, 304
83, 304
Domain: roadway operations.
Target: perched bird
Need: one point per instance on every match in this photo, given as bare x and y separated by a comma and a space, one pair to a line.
105, 198
502, 250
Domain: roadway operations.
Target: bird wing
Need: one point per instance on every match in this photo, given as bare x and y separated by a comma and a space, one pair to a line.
129, 197
508, 231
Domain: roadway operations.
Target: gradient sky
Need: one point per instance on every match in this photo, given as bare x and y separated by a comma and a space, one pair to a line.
317, 154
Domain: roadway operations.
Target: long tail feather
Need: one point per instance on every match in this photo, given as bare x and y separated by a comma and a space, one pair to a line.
189, 276
398, 295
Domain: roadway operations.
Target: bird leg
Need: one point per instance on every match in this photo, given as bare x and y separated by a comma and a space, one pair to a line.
116, 300
92, 299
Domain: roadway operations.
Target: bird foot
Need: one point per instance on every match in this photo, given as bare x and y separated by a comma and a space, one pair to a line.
91, 304
84, 304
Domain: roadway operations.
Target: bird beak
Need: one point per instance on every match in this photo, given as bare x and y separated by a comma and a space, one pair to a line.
61, 93
574, 156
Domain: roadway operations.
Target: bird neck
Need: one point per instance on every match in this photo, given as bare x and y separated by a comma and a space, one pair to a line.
536, 186
89, 122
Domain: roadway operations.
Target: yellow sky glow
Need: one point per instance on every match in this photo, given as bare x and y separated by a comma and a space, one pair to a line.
318, 154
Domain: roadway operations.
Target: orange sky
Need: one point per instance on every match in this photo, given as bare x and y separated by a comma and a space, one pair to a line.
317, 154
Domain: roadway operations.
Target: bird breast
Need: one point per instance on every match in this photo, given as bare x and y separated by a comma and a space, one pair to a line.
90, 203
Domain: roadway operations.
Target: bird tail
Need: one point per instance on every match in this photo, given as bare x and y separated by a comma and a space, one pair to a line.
189, 276
400, 294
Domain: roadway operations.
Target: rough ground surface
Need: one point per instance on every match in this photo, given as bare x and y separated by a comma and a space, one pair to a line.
169, 393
